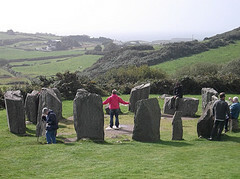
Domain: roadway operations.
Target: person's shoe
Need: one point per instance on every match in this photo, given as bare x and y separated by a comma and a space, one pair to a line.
210, 138
116, 127
109, 128
226, 130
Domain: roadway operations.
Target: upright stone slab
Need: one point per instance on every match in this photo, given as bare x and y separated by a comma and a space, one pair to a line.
57, 92
177, 128
49, 99
88, 115
234, 125
31, 106
207, 94
205, 122
15, 112
147, 121
188, 106
138, 93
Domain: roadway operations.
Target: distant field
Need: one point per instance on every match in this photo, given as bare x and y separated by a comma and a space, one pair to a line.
52, 66
9, 53
4, 36
215, 56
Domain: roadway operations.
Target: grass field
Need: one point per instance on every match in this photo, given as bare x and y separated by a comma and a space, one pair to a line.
9, 53
216, 56
24, 157
52, 66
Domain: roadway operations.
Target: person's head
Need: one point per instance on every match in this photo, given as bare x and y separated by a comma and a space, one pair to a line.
235, 99
45, 111
222, 95
114, 91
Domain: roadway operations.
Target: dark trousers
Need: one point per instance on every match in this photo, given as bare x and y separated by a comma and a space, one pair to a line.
226, 124
217, 129
114, 112
51, 136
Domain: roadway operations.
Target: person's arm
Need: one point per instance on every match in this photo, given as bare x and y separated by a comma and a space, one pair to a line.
121, 101
106, 101
228, 111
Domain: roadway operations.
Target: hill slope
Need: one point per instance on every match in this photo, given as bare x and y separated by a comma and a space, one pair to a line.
220, 55
137, 56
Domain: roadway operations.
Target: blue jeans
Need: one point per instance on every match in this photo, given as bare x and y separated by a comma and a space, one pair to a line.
112, 113
51, 136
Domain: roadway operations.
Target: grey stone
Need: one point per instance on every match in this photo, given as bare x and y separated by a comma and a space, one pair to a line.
15, 112
49, 99
177, 128
165, 95
138, 93
234, 123
147, 121
205, 122
207, 94
188, 106
57, 92
31, 106
88, 115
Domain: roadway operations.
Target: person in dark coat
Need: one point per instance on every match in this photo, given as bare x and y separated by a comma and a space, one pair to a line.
220, 111
178, 93
52, 125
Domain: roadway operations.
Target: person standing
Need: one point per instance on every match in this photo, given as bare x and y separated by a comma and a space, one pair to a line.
178, 93
114, 101
51, 125
220, 110
234, 111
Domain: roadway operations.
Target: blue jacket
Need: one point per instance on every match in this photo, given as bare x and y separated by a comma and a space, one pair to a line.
234, 110
52, 123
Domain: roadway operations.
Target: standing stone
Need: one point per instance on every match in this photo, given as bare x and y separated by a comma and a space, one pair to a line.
88, 115
207, 94
138, 93
57, 92
177, 130
188, 106
234, 125
31, 106
205, 122
147, 120
49, 99
15, 112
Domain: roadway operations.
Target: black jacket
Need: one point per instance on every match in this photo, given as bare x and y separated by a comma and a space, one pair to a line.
52, 123
178, 91
221, 109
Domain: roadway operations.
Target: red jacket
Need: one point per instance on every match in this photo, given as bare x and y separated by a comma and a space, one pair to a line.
114, 101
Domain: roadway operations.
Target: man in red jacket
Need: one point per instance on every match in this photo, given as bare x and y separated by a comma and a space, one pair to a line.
114, 101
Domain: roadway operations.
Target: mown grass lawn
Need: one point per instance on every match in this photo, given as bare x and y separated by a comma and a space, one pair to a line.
24, 157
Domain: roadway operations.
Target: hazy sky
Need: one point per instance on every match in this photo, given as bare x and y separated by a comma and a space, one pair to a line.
122, 19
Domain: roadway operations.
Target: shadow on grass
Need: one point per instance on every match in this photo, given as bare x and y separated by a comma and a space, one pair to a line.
29, 133
175, 143
227, 138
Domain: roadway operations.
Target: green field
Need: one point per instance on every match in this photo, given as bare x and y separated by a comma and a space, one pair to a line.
121, 157
52, 66
9, 53
216, 56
